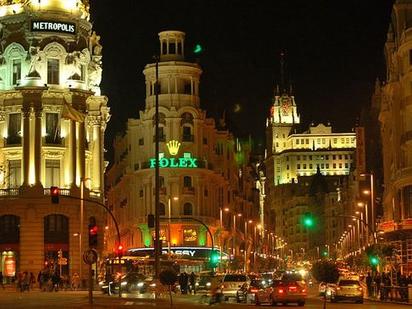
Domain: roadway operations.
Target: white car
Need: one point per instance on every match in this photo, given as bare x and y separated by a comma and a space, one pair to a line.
231, 283
345, 289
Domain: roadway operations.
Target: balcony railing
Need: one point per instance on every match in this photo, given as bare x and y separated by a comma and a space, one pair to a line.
14, 140
10, 192
53, 140
188, 138
188, 190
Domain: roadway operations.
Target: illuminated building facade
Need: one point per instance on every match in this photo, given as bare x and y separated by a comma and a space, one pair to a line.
203, 169
396, 129
52, 122
294, 161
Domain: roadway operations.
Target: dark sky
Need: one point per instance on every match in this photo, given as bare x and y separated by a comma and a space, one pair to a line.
334, 54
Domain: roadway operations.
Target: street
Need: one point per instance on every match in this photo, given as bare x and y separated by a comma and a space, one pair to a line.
79, 299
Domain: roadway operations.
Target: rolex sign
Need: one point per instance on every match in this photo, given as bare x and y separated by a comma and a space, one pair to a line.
53, 26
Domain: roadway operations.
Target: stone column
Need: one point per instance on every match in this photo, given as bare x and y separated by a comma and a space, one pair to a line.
38, 112
97, 153
26, 143
82, 154
73, 152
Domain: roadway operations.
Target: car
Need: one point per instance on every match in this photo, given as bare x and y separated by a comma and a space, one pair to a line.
206, 282
246, 293
345, 289
322, 288
134, 282
290, 289
231, 284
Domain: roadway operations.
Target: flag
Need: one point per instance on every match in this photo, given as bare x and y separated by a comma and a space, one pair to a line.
71, 113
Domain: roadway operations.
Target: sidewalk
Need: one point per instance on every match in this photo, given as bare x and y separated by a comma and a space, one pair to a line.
377, 300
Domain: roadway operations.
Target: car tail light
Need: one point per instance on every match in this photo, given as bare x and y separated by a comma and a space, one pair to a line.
253, 290
281, 291
293, 288
303, 290
338, 288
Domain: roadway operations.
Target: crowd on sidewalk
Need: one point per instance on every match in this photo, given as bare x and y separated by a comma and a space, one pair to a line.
47, 281
380, 286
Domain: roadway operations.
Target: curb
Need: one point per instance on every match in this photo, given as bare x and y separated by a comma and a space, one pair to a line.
387, 302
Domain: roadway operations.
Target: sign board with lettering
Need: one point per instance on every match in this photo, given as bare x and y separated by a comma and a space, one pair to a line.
173, 146
183, 252
53, 26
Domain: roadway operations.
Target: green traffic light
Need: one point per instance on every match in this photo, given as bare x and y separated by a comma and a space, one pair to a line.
325, 253
308, 220
214, 259
198, 49
374, 260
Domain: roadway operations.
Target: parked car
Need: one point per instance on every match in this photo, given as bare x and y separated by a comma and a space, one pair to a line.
247, 291
290, 289
345, 289
231, 284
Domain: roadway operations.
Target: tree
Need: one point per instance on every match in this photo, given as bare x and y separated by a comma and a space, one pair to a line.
325, 271
168, 277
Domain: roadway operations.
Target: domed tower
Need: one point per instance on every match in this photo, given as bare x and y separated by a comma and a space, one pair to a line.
52, 120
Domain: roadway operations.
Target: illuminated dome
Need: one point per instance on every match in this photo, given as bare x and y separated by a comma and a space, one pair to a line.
79, 8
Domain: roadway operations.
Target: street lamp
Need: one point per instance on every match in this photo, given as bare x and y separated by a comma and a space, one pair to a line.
169, 204
372, 198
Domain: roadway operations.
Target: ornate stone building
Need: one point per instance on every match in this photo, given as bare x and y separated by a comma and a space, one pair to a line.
204, 170
396, 129
52, 123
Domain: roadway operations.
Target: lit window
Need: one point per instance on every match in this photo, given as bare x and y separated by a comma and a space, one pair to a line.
187, 182
14, 173
16, 71
52, 173
53, 71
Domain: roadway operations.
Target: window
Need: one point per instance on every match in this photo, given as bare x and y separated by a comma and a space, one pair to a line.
187, 87
323, 141
287, 167
304, 166
141, 141
287, 158
302, 141
327, 157
52, 173
14, 129
204, 141
340, 165
16, 77
334, 157
187, 182
187, 134
164, 47
346, 157
298, 157
310, 157
82, 72
187, 209
179, 48
407, 200
307, 141
162, 209
14, 173
53, 71
52, 128
9, 229
327, 165
340, 157
346, 165
297, 141
334, 165
310, 166
172, 48
56, 229
335, 140
141, 193
298, 167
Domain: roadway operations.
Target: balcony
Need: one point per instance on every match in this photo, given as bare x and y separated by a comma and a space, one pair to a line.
53, 140
188, 138
188, 190
13, 140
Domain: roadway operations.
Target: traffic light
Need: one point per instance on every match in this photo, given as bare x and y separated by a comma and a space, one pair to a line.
197, 49
374, 260
150, 221
325, 253
93, 235
119, 251
214, 259
308, 220
54, 193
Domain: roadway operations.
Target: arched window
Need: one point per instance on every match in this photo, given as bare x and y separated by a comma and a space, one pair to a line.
162, 209
187, 127
187, 182
9, 229
56, 229
187, 209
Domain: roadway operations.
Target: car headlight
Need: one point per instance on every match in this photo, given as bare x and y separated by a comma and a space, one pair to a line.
153, 284
208, 284
197, 283
123, 283
329, 292
140, 284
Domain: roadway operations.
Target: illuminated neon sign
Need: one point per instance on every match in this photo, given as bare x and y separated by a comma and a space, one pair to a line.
53, 26
187, 161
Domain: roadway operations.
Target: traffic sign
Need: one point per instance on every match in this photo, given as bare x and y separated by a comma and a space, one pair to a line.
62, 261
90, 256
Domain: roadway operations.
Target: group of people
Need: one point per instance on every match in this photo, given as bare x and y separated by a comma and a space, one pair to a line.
187, 283
380, 286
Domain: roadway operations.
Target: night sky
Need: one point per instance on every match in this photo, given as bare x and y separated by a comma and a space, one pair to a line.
334, 55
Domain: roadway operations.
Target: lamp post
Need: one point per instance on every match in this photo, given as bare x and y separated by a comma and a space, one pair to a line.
169, 239
82, 181
246, 244
372, 199
365, 206
157, 173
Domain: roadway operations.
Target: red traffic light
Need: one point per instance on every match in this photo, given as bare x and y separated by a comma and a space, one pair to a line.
119, 250
55, 193
93, 230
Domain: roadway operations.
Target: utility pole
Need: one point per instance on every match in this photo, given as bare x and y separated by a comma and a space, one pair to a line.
157, 174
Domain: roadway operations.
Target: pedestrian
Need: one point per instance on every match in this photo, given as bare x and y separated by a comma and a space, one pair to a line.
369, 284
403, 291
1, 280
378, 281
25, 285
32, 280
75, 282
192, 280
55, 282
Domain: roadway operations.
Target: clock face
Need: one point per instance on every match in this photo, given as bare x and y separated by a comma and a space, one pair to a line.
285, 105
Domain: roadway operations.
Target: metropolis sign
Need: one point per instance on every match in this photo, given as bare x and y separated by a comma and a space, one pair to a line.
53, 26
187, 161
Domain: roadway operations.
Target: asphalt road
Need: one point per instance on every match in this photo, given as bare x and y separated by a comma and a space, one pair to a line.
35, 299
